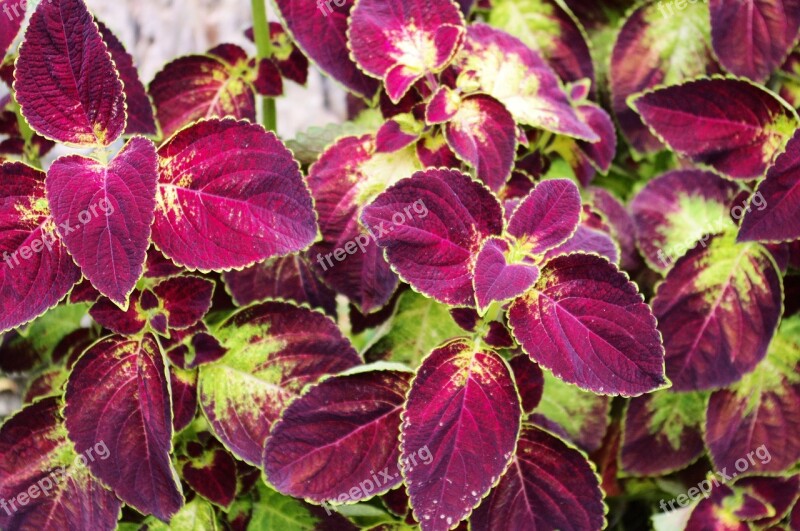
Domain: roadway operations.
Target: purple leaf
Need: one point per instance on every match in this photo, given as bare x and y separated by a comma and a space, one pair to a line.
118, 394
339, 438
433, 248
564, 324
223, 177
104, 213
774, 209
529, 379
548, 216
126, 322
10, 25
185, 299
497, 280
210, 470
731, 125
66, 82
463, 410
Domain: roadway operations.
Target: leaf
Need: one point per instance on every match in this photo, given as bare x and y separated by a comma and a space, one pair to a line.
141, 119
104, 213
288, 278
197, 515
401, 46
358, 269
273, 510
210, 470
128, 322
118, 394
322, 36
655, 48
731, 125
548, 216
529, 379
583, 417
36, 271
678, 211
663, 432
550, 485
773, 210
41, 466
759, 413
183, 389
498, 280
191, 347
66, 82
224, 177
717, 310
274, 350
503, 67
185, 299
338, 441
753, 37
10, 25
565, 324
550, 28
433, 249
464, 411
417, 326
194, 87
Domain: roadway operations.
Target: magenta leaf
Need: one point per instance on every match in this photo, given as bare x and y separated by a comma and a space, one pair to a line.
549, 485
183, 389
529, 379
338, 442
404, 43
731, 125
118, 394
497, 280
10, 25
210, 470
753, 37
274, 350
718, 309
223, 177
36, 271
125, 322
450, 216
320, 30
186, 299
564, 324
40, 466
200, 86
191, 347
66, 82
548, 216
774, 210
464, 412
141, 119
104, 213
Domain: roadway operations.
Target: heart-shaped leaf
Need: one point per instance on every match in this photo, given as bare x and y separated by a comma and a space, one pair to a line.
753, 37
464, 411
274, 350
36, 271
339, 437
549, 485
731, 125
223, 177
185, 299
433, 250
104, 214
118, 394
774, 210
497, 280
718, 309
548, 216
66, 82
564, 324
40, 465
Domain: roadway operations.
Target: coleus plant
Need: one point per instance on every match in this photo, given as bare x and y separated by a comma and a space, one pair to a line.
469, 306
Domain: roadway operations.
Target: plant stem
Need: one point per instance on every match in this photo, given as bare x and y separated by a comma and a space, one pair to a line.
30, 151
264, 51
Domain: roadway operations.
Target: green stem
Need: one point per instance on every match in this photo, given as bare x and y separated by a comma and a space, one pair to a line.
30, 151
264, 51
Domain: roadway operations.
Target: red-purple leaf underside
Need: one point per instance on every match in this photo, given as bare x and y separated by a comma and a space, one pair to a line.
753, 37
104, 214
730, 125
464, 412
586, 322
497, 280
118, 393
230, 195
549, 485
36, 271
66, 82
341, 434
320, 30
774, 213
